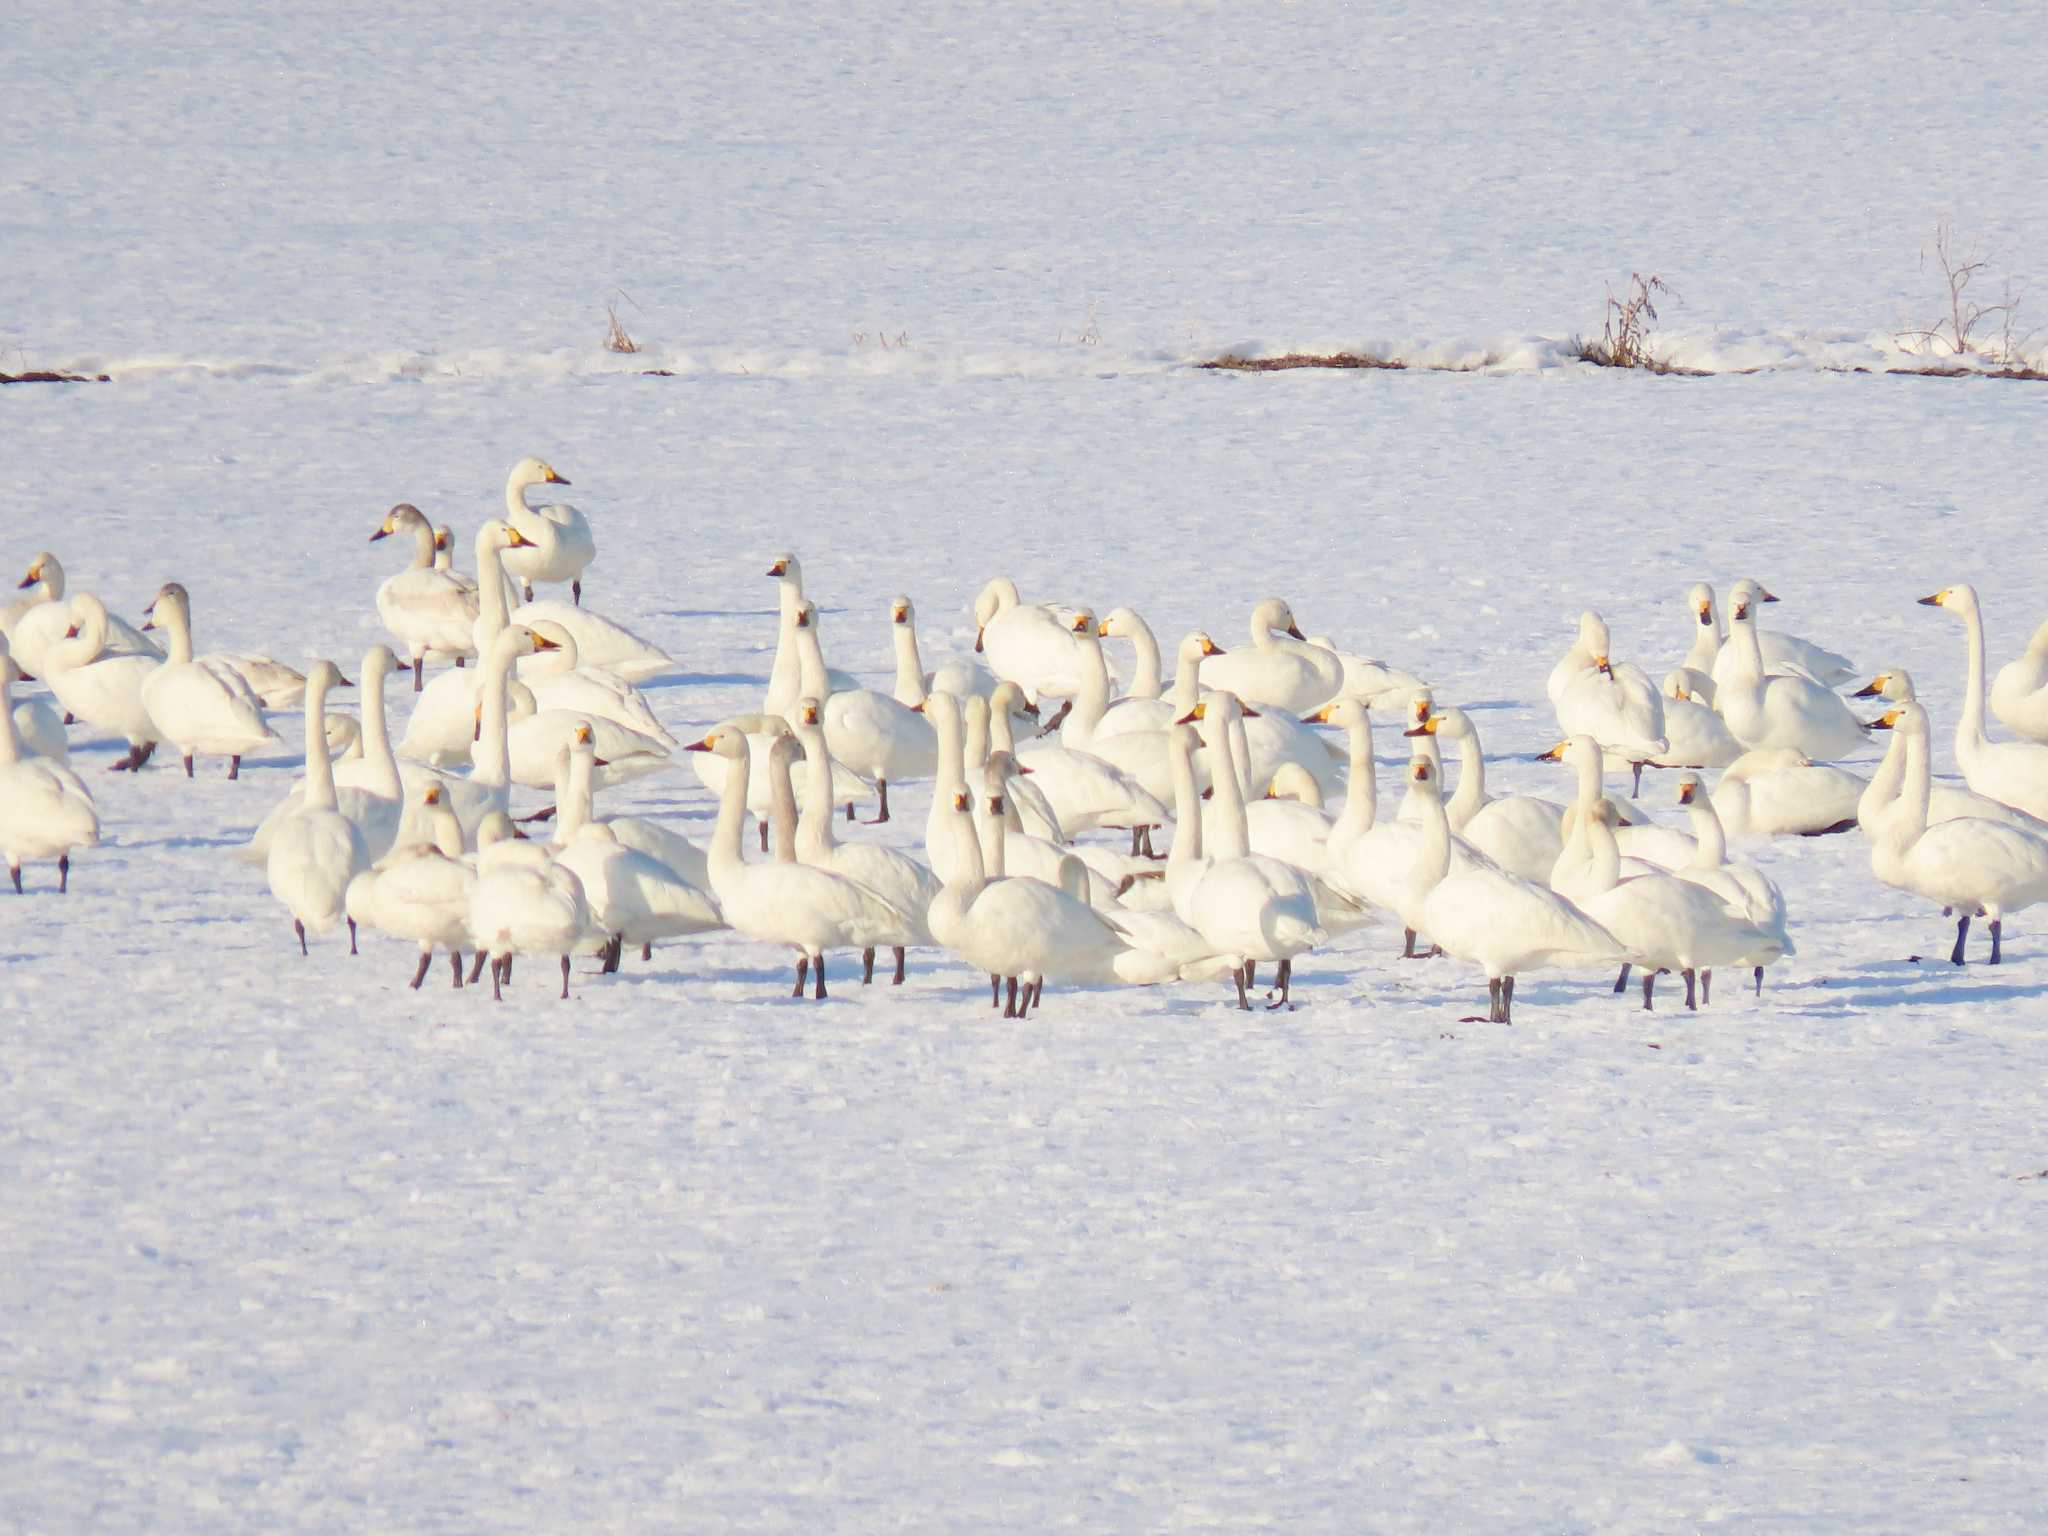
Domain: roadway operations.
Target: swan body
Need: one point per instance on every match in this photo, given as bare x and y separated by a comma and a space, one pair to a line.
1973, 866
1156, 711
559, 680
274, 685
420, 890
427, 608
1031, 645
1945, 802
1774, 791
33, 624
1763, 711
524, 902
1743, 887
1783, 655
1292, 678
897, 878
442, 727
1365, 677
315, 852
536, 740
2019, 693
374, 801
39, 728
601, 644
203, 709
45, 811
105, 693
785, 677
633, 898
865, 729
1698, 737
2015, 773
557, 541
1520, 833
1615, 704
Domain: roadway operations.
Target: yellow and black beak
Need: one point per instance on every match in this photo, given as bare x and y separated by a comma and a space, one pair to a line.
1706, 613
959, 799
1427, 728
342, 682
1419, 770
1873, 688
553, 478
810, 714
779, 568
1763, 596
1319, 717
1604, 666
1554, 755
516, 539
383, 531
1884, 722
1102, 628
1210, 647
918, 707
1082, 624
977, 640
1934, 601
1247, 712
71, 633
701, 746
995, 805
803, 618
1740, 611
543, 643
1199, 712
1685, 790
29, 580
1294, 632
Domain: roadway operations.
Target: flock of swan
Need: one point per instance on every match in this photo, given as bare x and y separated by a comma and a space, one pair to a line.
1228, 832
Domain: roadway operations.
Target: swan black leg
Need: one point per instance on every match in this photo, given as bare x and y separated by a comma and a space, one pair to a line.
297, 927
1649, 986
764, 834
803, 974
1137, 841
419, 672
420, 975
188, 765
647, 952
867, 967
64, 888
455, 965
1507, 999
460, 662
995, 991
1621, 981
1691, 997
235, 766
1285, 979
352, 936
576, 590
1962, 932
1997, 923
1038, 993
506, 961
1251, 974
849, 810
497, 977
1759, 981
882, 800
1493, 999
1706, 987
1408, 944
15, 870
526, 589
818, 979
478, 969
1638, 789
1243, 1001
1010, 998
565, 978
897, 979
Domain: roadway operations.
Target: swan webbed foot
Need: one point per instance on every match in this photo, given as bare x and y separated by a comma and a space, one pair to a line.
1621, 981
426, 959
297, 927
897, 979
1962, 932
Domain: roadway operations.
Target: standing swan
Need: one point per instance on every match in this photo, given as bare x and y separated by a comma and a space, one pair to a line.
44, 810
421, 890
316, 851
2013, 772
201, 707
562, 544
107, 692
425, 607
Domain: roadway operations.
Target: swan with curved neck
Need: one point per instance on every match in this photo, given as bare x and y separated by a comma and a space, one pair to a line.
1287, 674
557, 541
421, 889
107, 692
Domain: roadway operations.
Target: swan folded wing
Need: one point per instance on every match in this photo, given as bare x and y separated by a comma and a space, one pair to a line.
1960, 859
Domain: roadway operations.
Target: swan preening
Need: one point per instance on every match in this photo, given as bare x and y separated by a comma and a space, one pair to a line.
1041, 859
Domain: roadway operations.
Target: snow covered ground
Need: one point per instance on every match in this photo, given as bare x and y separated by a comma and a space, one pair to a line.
292, 1246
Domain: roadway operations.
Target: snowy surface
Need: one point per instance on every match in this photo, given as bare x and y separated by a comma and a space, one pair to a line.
293, 1247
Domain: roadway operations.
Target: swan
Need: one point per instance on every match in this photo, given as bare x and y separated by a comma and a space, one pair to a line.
1084, 790
867, 730
1978, 868
897, 878
785, 677
2019, 694
1615, 704
1945, 802
1775, 791
1786, 711
989, 728
559, 680
913, 683
633, 898
421, 889
105, 693
1146, 682
1013, 927
44, 810
35, 623
1522, 834
2012, 772
1142, 753
1586, 648
40, 727
1289, 823
561, 544
1698, 737
374, 799
1638, 835
1742, 886
1370, 679
1158, 710
811, 909
1031, 645
425, 607
1290, 678
524, 902
601, 644
488, 789
315, 852
1482, 914
201, 706
536, 740
1664, 923
1246, 906
1784, 655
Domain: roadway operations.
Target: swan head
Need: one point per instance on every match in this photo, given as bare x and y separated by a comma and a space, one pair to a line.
1291, 781
784, 565
1689, 790
1423, 774
1699, 597
444, 538
1895, 684
86, 611
996, 594
1421, 705
1274, 613
1220, 706
325, 674
1957, 599
1010, 698
1887, 721
806, 615
1082, 622
727, 740
496, 828
43, 568
554, 639
497, 535
1762, 593
584, 738
1119, 624
404, 515
1346, 711
378, 661
532, 471
1196, 646
900, 611
1743, 599
1593, 634
808, 714
171, 598
940, 706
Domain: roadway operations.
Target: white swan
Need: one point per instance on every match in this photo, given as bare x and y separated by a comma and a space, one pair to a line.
1662, 922
201, 707
421, 889
524, 902
989, 727
867, 730
1482, 914
33, 624
1784, 655
1369, 678
562, 545
39, 726
45, 811
913, 683
105, 693
1158, 710
425, 607
2019, 693
374, 802
1638, 835
1031, 645
1698, 737
810, 909
1522, 834
1786, 711
1614, 703
1292, 678
1776, 791
536, 740
1978, 868
1248, 907
442, 728
1742, 886
1945, 802
785, 677
316, 851
1146, 680
2014, 773
896, 877
1083, 790
559, 680
633, 897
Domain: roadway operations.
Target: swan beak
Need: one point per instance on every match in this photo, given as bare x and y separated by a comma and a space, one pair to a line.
1083, 624
27, 581
1031, 709
71, 633
1419, 770
1209, 793
1706, 614
1741, 611
1871, 689
1934, 601
1246, 712
149, 619
1883, 722
521, 833
960, 800
698, 746
995, 805
1020, 768
1685, 793
1605, 668
1763, 596
1294, 632
553, 479
1210, 647
1102, 628
977, 641
1427, 728
1319, 717
514, 539
543, 643
1554, 755
1199, 712
803, 618
342, 682
918, 707
382, 532
600, 762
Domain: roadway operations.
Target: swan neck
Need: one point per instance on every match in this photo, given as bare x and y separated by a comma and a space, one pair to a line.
782, 811
1433, 862
1471, 791
1884, 785
1603, 853
319, 770
1145, 680
422, 546
1970, 728
1187, 685
909, 667
178, 623
1708, 833
814, 837
10, 737
492, 615
813, 681
573, 800
1232, 831
990, 847
1186, 849
377, 735
1361, 792
724, 852
1091, 698
1911, 822
492, 753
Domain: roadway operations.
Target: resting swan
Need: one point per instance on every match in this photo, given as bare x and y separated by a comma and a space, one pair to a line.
556, 542
105, 693
1291, 678
1763, 711
1031, 645
2019, 694
1614, 704
425, 608
44, 810
2014, 773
